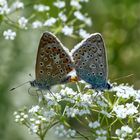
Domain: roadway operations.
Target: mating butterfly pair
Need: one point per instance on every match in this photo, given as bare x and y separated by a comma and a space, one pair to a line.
54, 63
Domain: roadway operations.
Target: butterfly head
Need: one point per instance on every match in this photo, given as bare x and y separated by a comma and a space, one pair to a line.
39, 85
108, 86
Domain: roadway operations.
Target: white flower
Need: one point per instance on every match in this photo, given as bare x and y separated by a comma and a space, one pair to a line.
75, 4
83, 33
79, 15
59, 4
83, 112
67, 30
88, 21
71, 112
41, 8
124, 131
17, 5
22, 22
17, 116
101, 103
137, 138
62, 17
32, 119
4, 7
67, 91
60, 131
9, 34
25, 116
15, 113
70, 133
49, 114
131, 109
124, 91
34, 128
120, 110
37, 122
3, 2
94, 124
34, 109
101, 132
50, 21
37, 24
126, 128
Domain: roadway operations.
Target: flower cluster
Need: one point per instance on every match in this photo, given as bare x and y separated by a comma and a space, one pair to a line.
123, 132
96, 112
69, 21
60, 131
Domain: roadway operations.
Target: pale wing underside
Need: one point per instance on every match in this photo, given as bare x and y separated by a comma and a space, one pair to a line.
90, 60
53, 61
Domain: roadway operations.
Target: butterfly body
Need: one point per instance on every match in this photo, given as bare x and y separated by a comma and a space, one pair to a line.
53, 63
90, 61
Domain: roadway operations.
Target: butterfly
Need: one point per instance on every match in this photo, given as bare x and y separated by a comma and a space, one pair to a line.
53, 63
90, 62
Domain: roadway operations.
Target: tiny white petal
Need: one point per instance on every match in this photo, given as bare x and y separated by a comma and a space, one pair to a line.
41, 7
67, 30
59, 4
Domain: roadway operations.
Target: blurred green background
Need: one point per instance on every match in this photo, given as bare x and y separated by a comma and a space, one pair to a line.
119, 23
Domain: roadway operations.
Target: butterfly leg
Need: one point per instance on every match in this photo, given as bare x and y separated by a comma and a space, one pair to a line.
51, 93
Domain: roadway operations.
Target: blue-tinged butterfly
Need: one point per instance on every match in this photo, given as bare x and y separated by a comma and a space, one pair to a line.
90, 61
53, 63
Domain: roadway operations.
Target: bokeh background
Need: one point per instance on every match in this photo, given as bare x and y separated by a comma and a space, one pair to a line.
118, 22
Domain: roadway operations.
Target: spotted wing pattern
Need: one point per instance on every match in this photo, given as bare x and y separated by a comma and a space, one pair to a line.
53, 62
90, 61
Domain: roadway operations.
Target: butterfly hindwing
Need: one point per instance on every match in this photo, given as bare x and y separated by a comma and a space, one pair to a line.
90, 61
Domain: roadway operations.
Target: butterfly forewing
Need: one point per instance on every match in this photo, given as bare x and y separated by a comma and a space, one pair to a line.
90, 61
53, 61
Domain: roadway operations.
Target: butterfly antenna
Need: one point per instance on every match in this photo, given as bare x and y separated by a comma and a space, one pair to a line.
19, 86
127, 76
